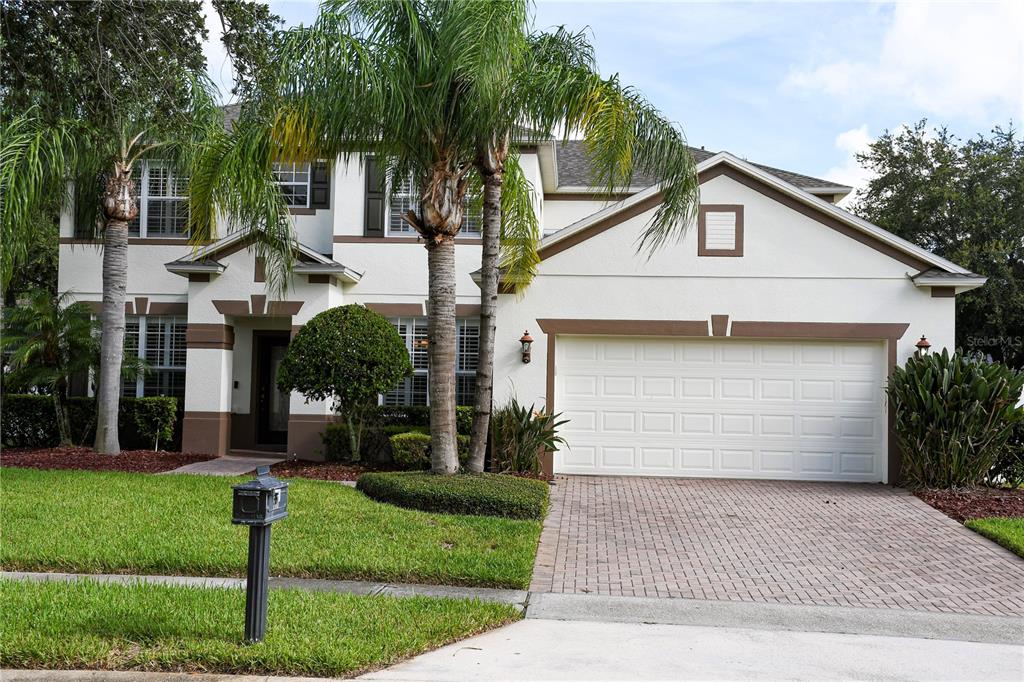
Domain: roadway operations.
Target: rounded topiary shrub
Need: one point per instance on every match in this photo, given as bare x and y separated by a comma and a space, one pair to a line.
474, 494
349, 354
954, 415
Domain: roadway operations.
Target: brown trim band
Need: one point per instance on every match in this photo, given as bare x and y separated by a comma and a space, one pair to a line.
943, 292
467, 310
259, 303
232, 307
819, 330
719, 325
305, 435
301, 211
396, 309
216, 336
625, 327
586, 196
168, 308
137, 241
319, 279
141, 305
206, 432
702, 230
288, 308
353, 239
753, 183
199, 277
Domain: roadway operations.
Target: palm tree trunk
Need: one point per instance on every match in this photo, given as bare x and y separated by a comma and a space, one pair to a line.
488, 307
63, 425
441, 354
115, 280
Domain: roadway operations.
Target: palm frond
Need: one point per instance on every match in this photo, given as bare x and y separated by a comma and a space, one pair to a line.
520, 228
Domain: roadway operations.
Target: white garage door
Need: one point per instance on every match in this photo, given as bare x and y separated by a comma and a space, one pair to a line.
721, 407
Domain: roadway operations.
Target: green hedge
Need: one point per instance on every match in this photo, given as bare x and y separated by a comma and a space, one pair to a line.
411, 450
474, 494
375, 445
382, 423
29, 421
417, 415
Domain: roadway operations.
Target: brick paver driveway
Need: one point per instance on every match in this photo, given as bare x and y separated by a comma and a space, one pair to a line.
785, 542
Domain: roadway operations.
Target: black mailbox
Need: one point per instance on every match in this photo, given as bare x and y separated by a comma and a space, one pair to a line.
261, 501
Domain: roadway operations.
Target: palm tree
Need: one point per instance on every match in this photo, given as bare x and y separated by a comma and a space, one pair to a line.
41, 159
398, 78
550, 81
50, 338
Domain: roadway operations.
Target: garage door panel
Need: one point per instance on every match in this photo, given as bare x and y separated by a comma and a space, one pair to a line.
763, 409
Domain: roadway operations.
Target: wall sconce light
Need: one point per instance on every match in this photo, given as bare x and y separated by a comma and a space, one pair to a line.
526, 341
922, 346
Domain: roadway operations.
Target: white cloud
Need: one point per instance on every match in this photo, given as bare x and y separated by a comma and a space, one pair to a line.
946, 59
849, 172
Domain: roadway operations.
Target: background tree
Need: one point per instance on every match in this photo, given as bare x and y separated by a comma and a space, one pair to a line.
49, 338
349, 354
965, 202
90, 89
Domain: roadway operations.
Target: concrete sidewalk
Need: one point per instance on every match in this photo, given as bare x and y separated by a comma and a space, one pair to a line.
228, 465
536, 649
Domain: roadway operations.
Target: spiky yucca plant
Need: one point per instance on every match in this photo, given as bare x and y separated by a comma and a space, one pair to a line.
953, 417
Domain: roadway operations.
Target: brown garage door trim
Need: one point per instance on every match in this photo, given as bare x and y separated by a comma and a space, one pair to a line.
859, 331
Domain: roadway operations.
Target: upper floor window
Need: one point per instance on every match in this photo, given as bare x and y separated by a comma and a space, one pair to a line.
387, 218
293, 178
163, 202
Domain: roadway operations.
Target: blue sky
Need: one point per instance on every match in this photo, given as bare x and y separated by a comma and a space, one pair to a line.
799, 85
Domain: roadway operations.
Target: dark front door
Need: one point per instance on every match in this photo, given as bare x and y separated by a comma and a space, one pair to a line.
272, 404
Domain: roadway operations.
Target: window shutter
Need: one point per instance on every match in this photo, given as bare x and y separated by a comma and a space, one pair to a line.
375, 196
320, 185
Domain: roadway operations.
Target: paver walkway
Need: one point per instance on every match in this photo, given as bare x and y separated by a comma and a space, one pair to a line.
228, 465
858, 545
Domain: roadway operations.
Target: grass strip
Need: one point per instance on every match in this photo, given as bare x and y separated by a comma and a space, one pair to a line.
89, 625
1007, 531
103, 522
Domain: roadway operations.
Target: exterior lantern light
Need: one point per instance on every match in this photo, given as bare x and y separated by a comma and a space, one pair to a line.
922, 346
526, 341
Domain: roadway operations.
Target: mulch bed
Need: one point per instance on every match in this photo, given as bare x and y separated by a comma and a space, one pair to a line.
975, 503
323, 471
136, 461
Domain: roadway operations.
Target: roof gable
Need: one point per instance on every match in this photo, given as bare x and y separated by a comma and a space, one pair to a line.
773, 187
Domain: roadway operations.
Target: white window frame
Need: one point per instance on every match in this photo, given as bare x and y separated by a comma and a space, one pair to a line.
464, 366
406, 196
293, 167
144, 197
144, 322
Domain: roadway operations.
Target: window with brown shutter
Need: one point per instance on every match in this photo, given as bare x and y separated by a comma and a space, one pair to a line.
375, 197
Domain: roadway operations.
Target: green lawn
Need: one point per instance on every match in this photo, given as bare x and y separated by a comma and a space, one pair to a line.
95, 522
158, 627
1008, 532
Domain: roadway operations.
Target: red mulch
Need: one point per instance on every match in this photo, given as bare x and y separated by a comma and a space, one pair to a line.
323, 471
137, 461
975, 503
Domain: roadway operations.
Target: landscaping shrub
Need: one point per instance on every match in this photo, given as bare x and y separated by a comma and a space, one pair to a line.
411, 450
30, 421
374, 446
417, 415
1008, 469
521, 434
954, 415
351, 355
474, 494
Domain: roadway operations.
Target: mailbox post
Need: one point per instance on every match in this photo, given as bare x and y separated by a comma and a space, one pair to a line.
257, 504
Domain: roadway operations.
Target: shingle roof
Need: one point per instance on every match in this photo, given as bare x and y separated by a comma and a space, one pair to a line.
574, 169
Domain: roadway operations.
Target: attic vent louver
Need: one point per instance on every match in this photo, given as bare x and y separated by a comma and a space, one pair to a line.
720, 230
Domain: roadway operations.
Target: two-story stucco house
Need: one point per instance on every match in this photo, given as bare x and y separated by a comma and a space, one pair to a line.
757, 346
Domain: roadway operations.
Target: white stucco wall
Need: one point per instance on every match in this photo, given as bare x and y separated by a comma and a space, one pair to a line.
81, 270
559, 213
794, 269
